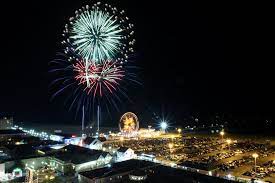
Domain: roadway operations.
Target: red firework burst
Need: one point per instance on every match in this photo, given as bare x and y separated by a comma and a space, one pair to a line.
98, 77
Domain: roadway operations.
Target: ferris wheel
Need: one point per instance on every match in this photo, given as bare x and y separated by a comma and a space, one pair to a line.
128, 123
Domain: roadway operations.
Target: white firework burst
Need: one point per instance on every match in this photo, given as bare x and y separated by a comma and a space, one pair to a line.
100, 33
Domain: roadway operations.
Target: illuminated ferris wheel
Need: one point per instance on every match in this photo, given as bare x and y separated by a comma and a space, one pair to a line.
128, 123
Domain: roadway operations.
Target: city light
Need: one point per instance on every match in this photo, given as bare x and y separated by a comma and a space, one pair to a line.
170, 145
179, 130
228, 141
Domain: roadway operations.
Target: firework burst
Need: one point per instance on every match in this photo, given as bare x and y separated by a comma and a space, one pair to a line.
98, 77
98, 41
99, 33
88, 85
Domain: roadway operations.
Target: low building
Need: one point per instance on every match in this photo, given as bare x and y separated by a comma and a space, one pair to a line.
72, 158
62, 137
144, 171
124, 153
11, 167
46, 150
14, 159
2, 169
9, 133
19, 151
138, 175
6, 123
92, 143
117, 172
19, 156
41, 175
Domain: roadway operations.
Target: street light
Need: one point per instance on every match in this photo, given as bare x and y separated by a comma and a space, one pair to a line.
222, 134
170, 145
255, 156
163, 125
179, 130
228, 142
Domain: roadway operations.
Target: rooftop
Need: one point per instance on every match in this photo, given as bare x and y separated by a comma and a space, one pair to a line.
10, 131
22, 151
65, 135
89, 140
118, 168
77, 155
47, 150
160, 174
123, 149
164, 173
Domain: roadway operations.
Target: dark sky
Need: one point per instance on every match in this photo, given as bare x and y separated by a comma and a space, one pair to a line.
194, 58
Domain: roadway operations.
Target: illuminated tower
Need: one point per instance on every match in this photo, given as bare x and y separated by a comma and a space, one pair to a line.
83, 120
98, 117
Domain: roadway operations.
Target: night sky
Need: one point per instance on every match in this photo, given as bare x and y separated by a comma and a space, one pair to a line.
194, 58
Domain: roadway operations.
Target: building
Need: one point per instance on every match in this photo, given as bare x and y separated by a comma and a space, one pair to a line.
19, 156
92, 143
144, 171
8, 133
124, 153
2, 170
138, 175
62, 137
13, 168
6, 123
117, 172
44, 174
46, 150
72, 158
16, 159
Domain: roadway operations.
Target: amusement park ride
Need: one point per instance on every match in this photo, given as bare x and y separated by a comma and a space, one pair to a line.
129, 124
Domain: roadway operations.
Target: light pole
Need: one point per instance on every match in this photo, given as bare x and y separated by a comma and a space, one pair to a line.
255, 156
170, 145
222, 134
228, 142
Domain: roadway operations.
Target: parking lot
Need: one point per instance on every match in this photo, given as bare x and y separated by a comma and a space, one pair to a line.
222, 157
